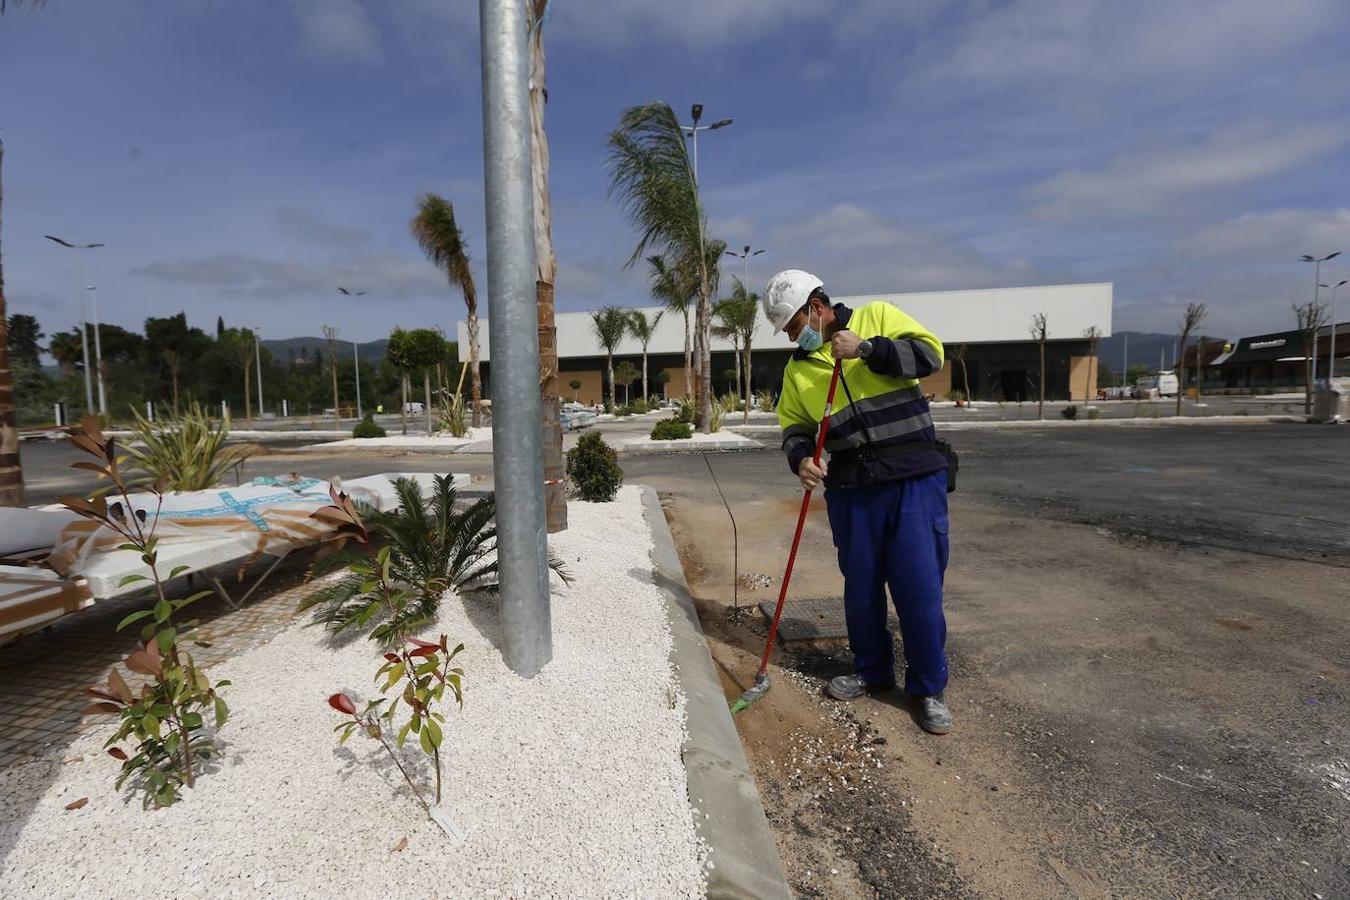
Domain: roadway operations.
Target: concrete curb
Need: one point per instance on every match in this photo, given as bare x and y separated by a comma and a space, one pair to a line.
740, 844
947, 425
637, 448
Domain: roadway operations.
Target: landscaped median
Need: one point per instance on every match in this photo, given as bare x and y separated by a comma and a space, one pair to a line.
570, 783
718, 440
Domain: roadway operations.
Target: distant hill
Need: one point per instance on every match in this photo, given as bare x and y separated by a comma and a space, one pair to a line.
1145, 348
370, 351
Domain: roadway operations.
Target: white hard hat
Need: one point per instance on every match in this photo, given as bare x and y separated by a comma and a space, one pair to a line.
787, 292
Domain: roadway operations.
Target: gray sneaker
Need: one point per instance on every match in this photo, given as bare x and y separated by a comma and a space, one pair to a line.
851, 687
934, 716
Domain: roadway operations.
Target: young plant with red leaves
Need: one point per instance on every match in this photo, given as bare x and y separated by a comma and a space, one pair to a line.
165, 718
422, 668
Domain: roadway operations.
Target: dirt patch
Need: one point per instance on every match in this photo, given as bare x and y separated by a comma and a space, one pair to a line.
1110, 739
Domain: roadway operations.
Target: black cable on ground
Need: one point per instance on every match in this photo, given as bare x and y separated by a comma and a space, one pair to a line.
735, 542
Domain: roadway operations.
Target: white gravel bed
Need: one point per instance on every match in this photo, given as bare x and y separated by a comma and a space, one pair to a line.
417, 441
569, 784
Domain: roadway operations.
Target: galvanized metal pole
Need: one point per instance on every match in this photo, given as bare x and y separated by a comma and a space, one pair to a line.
518, 460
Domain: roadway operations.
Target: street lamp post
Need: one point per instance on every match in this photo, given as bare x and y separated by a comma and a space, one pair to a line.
257, 357
745, 255
696, 111
356, 358
98, 350
84, 330
1331, 357
1317, 281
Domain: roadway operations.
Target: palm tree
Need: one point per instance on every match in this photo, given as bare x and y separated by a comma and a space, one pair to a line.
610, 325
1040, 332
642, 328
651, 172
11, 470
438, 235
737, 315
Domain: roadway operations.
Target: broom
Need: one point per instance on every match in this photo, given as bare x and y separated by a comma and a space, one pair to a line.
761, 685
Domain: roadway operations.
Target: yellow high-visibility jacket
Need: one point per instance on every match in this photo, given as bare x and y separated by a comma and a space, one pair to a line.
887, 404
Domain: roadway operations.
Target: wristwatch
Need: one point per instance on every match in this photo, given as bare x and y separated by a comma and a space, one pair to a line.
864, 349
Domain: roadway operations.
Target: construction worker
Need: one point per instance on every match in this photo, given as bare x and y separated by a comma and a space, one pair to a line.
886, 478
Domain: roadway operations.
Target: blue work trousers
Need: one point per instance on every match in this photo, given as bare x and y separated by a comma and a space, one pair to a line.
894, 535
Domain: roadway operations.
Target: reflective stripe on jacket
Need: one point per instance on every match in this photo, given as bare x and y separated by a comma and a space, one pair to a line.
885, 391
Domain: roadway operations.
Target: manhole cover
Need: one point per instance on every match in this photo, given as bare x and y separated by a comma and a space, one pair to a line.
813, 620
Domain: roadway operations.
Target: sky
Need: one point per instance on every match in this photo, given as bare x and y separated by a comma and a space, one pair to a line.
244, 158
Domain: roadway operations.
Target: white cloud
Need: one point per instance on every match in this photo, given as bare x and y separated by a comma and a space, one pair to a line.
384, 276
338, 30
856, 250
1280, 236
307, 225
1144, 182
1110, 41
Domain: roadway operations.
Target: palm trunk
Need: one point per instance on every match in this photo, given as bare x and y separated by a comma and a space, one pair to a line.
704, 388
403, 410
426, 383
646, 395
555, 493
475, 380
736, 352
688, 358
748, 392
11, 470
609, 368
1040, 407
173, 371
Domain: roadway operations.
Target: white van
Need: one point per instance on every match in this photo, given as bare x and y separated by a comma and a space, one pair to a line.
1165, 383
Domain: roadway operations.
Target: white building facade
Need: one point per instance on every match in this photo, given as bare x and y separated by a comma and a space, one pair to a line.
990, 325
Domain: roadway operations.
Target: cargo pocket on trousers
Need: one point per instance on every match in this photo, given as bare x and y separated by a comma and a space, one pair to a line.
940, 541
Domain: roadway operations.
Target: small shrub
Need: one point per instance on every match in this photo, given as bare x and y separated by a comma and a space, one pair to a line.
685, 412
624, 411
670, 430
368, 428
593, 469
453, 414
719, 415
384, 586
166, 718
187, 452
1094, 413
1069, 412
765, 402
638, 406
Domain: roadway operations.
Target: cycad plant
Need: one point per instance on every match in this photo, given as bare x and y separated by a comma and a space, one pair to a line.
186, 452
431, 547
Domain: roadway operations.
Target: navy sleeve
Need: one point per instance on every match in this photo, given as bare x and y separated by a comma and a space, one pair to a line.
799, 442
902, 357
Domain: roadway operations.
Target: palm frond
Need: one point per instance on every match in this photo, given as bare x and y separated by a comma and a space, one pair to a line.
652, 176
437, 233
609, 325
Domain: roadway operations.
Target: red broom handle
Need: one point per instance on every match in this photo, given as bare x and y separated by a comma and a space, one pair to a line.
801, 523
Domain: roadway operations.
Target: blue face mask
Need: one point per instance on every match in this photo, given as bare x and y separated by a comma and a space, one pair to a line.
808, 338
